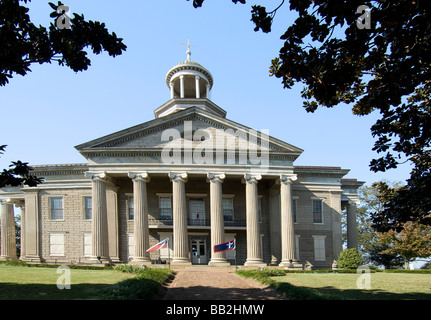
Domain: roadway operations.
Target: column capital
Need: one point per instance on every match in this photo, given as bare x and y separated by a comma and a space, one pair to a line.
353, 202
136, 176
287, 178
6, 201
178, 176
215, 177
251, 178
97, 175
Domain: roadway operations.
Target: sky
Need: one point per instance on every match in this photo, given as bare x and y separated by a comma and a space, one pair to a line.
44, 114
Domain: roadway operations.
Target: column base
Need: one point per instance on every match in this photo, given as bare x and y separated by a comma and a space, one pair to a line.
254, 263
100, 260
141, 261
7, 258
31, 259
290, 264
219, 263
181, 262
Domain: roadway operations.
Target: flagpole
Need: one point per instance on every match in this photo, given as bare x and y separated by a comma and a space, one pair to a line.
235, 255
169, 255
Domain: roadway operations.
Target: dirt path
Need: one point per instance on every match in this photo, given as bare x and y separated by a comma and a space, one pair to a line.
216, 284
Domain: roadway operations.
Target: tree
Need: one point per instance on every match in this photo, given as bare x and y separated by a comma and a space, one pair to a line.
413, 241
375, 56
23, 43
373, 201
19, 174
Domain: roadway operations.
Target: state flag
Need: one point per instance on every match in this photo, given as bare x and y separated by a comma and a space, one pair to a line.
158, 246
225, 246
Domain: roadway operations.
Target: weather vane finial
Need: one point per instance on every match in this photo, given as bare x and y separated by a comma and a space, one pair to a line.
188, 49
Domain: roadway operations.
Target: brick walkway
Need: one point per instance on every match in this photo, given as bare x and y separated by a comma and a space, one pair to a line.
216, 284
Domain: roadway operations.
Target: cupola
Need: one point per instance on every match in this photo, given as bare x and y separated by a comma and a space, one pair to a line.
190, 85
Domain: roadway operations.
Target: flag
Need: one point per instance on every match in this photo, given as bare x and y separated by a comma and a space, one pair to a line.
160, 245
225, 246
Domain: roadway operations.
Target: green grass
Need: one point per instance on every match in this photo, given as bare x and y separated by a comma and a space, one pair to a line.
383, 286
318, 286
22, 282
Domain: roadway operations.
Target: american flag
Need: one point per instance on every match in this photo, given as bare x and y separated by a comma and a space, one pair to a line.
160, 245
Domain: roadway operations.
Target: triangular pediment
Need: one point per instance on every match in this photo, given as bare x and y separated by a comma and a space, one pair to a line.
192, 127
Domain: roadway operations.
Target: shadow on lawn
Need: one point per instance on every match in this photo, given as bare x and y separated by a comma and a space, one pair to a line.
15, 291
372, 294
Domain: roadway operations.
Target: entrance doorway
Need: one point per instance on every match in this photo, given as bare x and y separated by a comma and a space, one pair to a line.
199, 250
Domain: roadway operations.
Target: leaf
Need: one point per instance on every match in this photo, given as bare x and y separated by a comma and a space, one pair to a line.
53, 6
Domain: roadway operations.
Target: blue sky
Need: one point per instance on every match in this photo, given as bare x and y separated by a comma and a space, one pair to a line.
52, 109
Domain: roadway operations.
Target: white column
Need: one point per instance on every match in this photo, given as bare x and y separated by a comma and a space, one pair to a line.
352, 230
140, 207
208, 91
287, 223
181, 239
8, 244
100, 248
181, 86
172, 90
254, 250
198, 93
217, 218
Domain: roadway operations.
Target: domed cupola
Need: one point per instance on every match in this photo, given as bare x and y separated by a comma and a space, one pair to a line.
190, 85
188, 79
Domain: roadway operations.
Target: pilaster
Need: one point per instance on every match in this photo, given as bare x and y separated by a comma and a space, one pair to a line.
352, 230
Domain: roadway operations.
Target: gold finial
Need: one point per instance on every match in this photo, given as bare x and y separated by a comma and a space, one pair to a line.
188, 49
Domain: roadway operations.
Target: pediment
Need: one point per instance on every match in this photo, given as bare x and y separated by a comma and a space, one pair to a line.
188, 128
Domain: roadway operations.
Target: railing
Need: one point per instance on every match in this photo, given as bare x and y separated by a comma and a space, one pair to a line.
196, 222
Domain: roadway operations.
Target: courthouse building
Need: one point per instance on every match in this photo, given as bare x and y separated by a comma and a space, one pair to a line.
190, 175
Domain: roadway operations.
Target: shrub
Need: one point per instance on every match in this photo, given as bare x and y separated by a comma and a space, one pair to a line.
144, 285
350, 259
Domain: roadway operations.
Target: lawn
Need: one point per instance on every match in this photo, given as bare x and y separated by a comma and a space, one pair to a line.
383, 286
19, 282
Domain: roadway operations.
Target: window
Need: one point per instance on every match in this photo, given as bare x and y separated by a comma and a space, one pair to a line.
56, 244
130, 211
294, 210
319, 248
259, 208
56, 204
297, 247
197, 210
87, 208
165, 205
317, 211
87, 244
227, 209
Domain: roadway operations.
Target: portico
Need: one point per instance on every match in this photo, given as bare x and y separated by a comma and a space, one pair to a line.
182, 223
